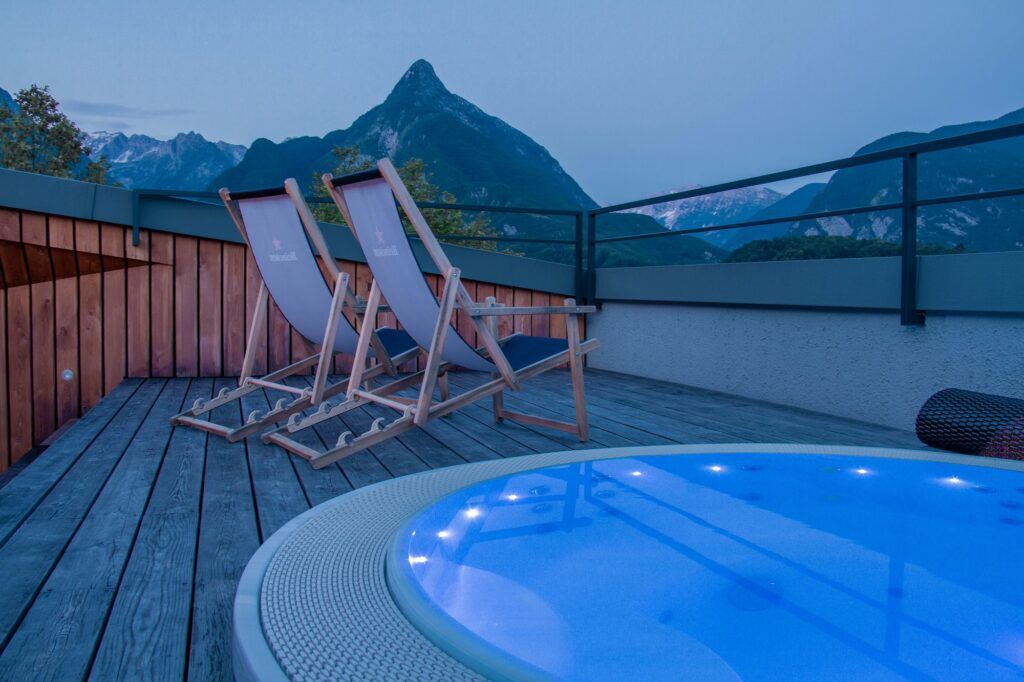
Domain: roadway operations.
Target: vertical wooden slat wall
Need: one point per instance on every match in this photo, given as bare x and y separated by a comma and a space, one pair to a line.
82, 307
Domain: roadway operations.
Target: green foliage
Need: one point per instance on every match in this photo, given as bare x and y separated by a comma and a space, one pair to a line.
37, 137
417, 180
820, 247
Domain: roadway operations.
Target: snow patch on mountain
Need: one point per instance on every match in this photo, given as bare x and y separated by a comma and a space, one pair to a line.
186, 161
711, 209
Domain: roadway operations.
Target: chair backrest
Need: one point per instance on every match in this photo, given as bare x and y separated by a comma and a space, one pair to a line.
277, 239
376, 223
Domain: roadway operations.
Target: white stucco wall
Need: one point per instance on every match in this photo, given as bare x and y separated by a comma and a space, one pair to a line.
861, 365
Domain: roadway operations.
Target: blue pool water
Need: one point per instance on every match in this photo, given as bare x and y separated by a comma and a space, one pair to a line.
741, 566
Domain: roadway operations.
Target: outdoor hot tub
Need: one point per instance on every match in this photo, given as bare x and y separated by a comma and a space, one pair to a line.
699, 562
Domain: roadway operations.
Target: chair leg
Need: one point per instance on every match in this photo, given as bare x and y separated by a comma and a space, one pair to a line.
576, 371
498, 404
498, 399
442, 387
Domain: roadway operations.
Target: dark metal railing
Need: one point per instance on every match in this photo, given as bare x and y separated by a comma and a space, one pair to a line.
586, 241
909, 204
139, 194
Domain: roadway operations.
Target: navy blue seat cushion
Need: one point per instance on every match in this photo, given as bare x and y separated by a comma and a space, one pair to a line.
396, 341
523, 351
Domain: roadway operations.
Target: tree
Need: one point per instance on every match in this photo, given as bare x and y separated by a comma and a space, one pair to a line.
35, 136
417, 180
800, 247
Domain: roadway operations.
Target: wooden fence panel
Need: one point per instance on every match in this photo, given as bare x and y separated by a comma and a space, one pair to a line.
186, 301
161, 305
138, 304
40, 270
90, 311
252, 288
114, 317
5, 450
62, 243
210, 303
234, 327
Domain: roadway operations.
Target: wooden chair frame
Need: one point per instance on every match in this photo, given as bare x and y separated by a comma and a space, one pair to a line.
423, 408
321, 388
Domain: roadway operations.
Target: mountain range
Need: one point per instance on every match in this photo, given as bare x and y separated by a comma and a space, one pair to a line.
187, 161
992, 225
481, 159
711, 209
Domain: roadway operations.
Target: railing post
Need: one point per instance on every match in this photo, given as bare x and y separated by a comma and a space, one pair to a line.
136, 201
909, 314
578, 256
591, 258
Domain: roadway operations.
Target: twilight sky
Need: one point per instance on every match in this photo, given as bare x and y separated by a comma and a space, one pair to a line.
631, 97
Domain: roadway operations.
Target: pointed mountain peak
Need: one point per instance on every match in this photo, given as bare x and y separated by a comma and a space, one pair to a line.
421, 70
420, 80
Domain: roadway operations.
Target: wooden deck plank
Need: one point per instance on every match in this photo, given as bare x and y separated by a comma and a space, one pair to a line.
426, 448
63, 625
756, 418
279, 492
553, 406
146, 636
323, 484
362, 468
32, 550
21, 495
558, 400
396, 457
228, 536
650, 417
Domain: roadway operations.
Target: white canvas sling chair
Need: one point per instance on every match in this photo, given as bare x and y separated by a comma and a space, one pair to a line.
367, 203
275, 224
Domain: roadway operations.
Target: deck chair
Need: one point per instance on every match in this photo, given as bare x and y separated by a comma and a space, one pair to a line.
275, 224
367, 203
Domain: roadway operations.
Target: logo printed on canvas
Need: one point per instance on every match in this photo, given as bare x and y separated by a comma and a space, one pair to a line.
383, 251
279, 257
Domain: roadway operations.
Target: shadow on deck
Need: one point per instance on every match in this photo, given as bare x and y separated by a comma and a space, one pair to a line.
122, 544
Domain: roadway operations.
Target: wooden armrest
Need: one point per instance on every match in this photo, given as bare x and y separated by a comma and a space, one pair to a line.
532, 310
361, 308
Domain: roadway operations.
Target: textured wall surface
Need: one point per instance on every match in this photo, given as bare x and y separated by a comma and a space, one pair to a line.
853, 364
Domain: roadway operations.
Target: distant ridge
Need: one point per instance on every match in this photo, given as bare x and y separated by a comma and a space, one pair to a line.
978, 226
711, 209
186, 161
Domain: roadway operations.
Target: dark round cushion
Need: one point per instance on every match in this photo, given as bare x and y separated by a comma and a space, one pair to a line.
973, 423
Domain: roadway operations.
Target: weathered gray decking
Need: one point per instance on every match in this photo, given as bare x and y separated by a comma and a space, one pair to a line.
121, 545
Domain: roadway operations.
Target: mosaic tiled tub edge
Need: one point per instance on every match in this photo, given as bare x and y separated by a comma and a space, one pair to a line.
651, 561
